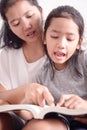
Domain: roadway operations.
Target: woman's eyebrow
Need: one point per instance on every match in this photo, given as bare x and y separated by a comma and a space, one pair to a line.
11, 21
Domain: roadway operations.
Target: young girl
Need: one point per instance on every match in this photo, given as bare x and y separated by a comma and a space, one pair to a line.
66, 74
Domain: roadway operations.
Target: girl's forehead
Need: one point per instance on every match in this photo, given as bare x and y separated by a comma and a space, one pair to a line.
62, 21
63, 25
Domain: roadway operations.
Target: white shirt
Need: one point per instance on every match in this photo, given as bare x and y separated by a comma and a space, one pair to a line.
14, 69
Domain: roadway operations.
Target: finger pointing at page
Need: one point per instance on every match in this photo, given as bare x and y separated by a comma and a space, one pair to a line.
46, 97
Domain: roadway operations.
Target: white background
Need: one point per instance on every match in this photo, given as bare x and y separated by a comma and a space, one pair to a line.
48, 5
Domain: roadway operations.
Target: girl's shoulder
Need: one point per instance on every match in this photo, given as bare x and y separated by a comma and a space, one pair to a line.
82, 55
82, 59
46, 68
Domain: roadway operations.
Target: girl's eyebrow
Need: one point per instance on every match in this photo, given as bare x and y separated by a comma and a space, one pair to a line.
11, 21
56, 31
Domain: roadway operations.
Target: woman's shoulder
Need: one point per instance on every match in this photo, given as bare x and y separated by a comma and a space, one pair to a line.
3, 52
9, 52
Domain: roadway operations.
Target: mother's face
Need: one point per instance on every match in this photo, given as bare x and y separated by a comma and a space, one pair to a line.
25, 20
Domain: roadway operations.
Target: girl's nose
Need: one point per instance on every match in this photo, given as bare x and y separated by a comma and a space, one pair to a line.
61, 43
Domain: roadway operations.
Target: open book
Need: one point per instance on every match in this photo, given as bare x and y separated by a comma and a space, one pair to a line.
40, 112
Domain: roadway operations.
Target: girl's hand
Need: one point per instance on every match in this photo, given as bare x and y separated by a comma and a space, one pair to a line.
38, 94
72, 102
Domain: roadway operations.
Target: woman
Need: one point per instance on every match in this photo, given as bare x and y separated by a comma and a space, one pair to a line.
22, 50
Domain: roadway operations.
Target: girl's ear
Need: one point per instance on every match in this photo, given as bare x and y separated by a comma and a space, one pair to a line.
80, 43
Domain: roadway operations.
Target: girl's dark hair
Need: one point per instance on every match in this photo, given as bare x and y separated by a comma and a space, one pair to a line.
7, 37
68, 12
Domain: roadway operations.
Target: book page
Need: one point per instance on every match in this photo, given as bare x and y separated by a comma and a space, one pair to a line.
39, 112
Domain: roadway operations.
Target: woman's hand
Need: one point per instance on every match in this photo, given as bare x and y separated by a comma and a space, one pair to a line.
26, 115
72, 102
38, 94
2, 102
28, 93
81, 119
35, 94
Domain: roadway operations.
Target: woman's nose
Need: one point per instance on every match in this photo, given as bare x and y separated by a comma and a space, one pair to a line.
26, 24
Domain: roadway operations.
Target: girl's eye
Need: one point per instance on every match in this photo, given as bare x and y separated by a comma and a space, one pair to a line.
70, 39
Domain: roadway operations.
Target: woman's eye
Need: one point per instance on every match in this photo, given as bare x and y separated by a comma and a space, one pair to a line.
29, 15
15, 23
55, 37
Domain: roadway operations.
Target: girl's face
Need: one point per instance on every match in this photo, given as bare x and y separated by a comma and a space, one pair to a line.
62, 40
25, 20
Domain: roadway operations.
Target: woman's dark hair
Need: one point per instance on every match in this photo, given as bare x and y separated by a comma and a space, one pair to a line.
68, 12
7, 37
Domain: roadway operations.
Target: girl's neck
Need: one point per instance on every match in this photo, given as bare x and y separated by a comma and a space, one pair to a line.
60, 66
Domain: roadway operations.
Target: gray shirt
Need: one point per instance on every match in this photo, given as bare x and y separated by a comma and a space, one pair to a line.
66, 81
